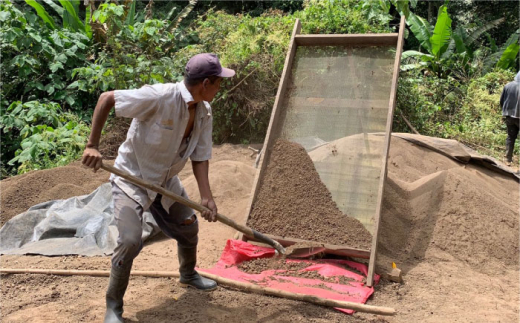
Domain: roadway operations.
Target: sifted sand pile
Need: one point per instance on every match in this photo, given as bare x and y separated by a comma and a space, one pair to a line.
294, 202
433, 205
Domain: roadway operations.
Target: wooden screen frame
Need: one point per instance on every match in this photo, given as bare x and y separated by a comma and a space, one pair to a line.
332, 40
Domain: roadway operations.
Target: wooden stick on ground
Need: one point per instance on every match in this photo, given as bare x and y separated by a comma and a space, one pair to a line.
408, 123
247, 287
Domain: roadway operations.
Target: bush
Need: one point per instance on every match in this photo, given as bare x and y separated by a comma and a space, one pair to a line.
133, 54
39, 135
479, 122
344, 17
36, 61
256, 48
469, 112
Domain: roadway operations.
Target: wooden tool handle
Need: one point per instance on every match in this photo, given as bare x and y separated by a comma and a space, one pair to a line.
246, 287
196, 206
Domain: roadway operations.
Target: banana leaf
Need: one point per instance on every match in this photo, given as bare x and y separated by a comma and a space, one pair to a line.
459, 40
421, 29
402, 7
131, 14
170, 14
185, 12
42, 13
457, 43
477, 33
58, 9
414, 53
508, 58
442, 32
492, 59
88, 28
71, 14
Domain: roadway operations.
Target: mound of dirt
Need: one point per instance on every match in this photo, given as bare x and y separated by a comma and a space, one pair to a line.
256, 266
294, 202
291, 268
433, 205
19, 193
230, 179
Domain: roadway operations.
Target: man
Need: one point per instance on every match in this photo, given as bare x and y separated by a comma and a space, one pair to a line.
171, 123
510, 103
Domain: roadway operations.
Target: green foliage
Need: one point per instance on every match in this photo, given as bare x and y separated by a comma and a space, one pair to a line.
42, 13
442, 33
130, 17
345, 17
442, 90
468, 112
501, 55
448, 51
39, 135
508, 58
69, 13
183, 14
37, 61
133, 54
256, 48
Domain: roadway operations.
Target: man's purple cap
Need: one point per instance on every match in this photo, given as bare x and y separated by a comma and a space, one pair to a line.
206, 64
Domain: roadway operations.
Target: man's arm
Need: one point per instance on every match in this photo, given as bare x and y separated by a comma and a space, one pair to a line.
201, 171
91, 156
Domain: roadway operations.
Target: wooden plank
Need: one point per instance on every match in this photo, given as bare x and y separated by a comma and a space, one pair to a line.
393, 96
273, 123
347, 40
339, 250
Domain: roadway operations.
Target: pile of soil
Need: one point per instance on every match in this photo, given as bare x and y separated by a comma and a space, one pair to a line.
19, 193
433, 205
293, 202
293, 269
256, 266
231, 181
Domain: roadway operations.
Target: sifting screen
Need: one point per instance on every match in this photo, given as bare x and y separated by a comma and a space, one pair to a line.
336, 106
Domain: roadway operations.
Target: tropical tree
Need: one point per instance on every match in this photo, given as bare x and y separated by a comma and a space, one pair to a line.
69, 13
506, 56
444, 46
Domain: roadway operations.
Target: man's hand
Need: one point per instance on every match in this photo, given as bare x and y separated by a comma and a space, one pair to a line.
92, 158
210, 215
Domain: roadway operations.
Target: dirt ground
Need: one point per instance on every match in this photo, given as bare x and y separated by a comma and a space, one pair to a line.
452, 229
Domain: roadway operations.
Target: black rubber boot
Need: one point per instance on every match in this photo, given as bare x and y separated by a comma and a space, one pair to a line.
119, 278
189, 276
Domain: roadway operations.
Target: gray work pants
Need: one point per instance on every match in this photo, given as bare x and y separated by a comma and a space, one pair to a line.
128, 216
513, 126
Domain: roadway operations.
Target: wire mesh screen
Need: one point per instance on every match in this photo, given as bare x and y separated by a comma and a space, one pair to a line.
336, 106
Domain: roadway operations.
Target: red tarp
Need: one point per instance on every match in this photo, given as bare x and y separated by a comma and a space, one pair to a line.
237, 251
